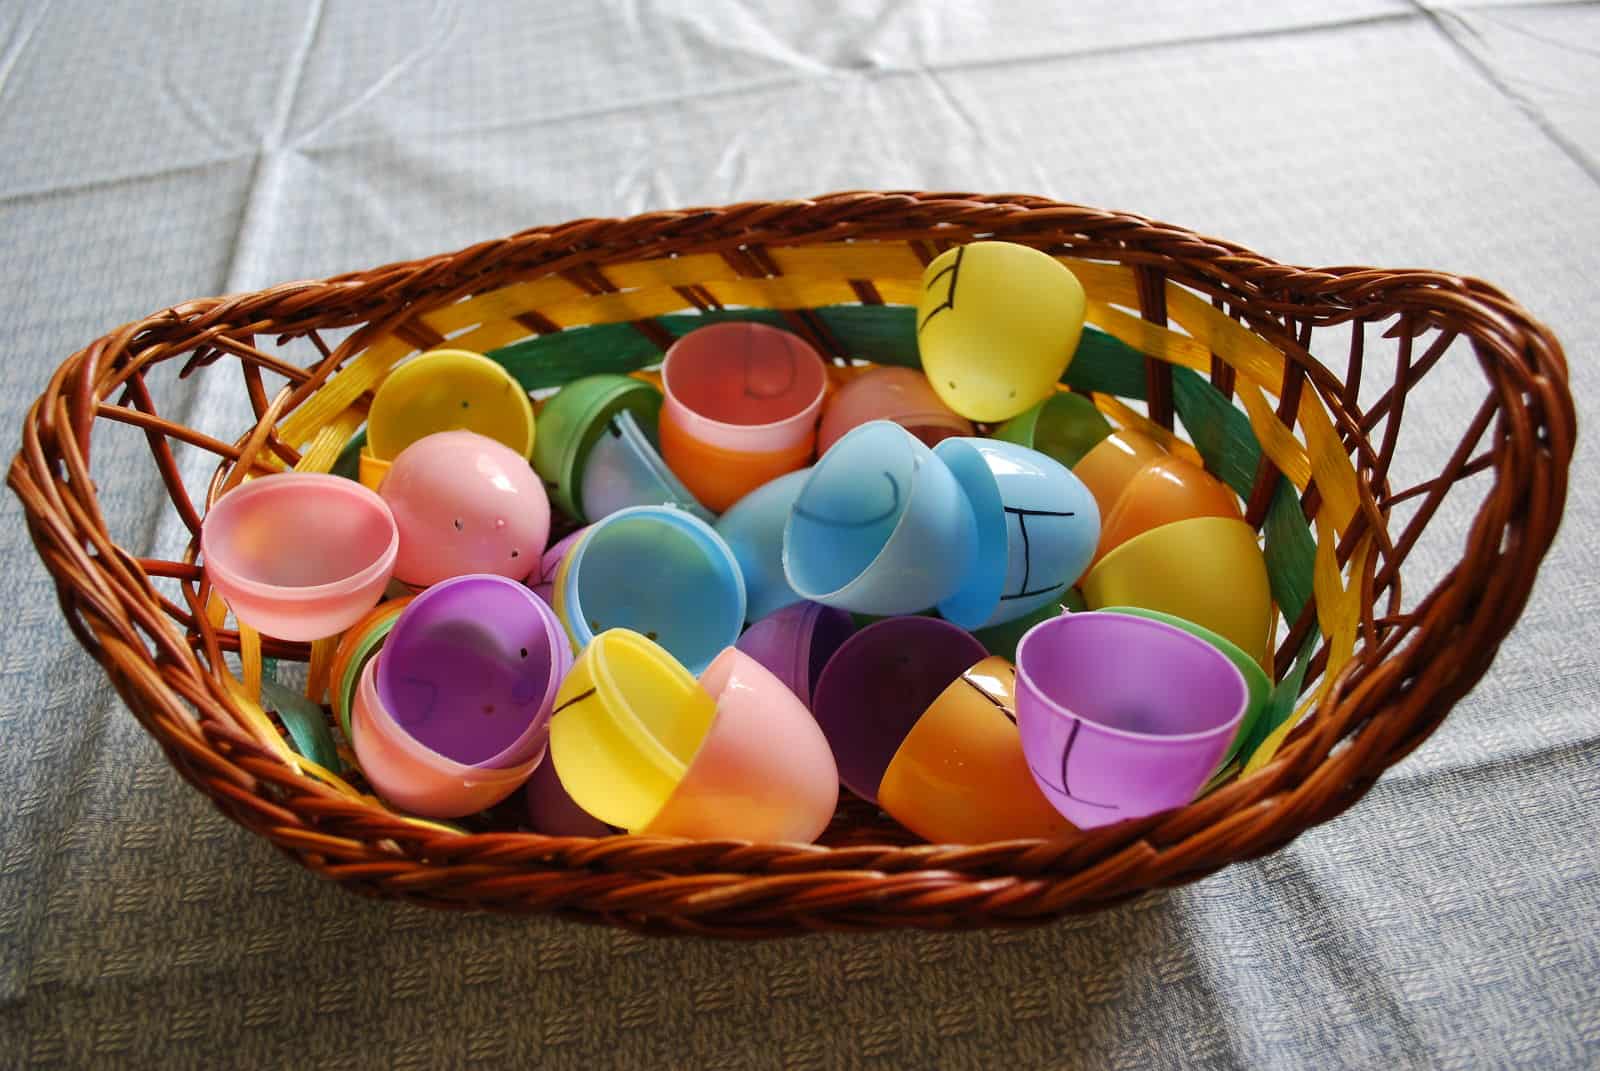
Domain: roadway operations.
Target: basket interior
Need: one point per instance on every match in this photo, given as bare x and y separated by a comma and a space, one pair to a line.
1214, 355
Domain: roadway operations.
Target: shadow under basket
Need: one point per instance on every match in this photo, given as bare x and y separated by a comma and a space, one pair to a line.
1195, 340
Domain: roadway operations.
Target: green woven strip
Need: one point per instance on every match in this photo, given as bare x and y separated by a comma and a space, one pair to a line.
882, 334
551, 360
348, 463
1280, 705
306, 722
1220, 431
1291, 551
1107, 365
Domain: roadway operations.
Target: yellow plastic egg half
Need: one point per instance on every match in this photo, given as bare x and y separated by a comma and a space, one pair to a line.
997, 324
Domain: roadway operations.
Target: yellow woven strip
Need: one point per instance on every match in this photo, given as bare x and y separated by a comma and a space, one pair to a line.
648, 290
897, 291
618, 308
1269, 747
250, 660
884, 263
780, 293
1126, 417
670, 271
329, 778
1326, 583
849, 260
1339, 615
330, 441
1247, 352
342, 389
491, 336
813, 276
1336, 477
1112, 283
425, 823
494, 313
505, 303
1277, 442
783, 292
1153, 340
216, 609
322, 652
1338, 605
1269, 643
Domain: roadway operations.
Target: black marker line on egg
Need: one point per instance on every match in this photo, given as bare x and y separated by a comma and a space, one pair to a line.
949, 301
894, 507
1022, 515
747, 359
1010, 714
1063, 787
580, 697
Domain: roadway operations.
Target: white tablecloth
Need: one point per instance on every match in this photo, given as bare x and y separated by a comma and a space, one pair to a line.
147, 156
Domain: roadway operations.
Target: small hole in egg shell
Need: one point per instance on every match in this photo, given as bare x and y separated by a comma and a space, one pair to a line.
952, 384
516, 553
464, 405
458, 524
488, 708
523, 651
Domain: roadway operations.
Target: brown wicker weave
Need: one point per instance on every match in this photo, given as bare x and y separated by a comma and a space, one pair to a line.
1412, 660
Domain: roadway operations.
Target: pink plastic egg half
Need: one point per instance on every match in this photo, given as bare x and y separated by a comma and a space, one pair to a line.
465, 504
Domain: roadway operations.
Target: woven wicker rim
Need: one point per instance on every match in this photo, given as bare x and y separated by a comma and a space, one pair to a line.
1404, 669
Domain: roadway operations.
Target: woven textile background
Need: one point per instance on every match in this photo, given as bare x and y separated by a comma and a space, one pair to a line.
192, 148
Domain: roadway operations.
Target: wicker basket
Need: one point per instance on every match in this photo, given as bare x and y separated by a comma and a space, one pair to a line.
1223, 339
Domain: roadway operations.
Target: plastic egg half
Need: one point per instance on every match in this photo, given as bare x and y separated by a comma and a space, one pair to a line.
997, 324
465, 504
